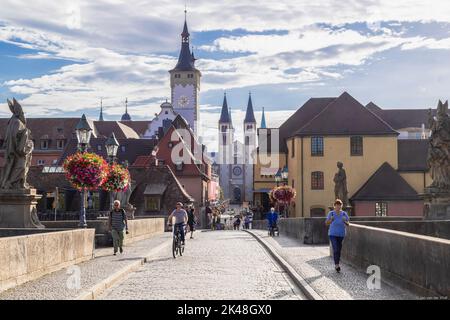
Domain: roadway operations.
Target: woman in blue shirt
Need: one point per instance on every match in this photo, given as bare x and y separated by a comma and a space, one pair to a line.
337, 220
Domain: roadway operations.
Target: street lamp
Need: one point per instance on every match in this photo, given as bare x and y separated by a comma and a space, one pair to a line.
278, 177
112, 145
285, 174
83, 131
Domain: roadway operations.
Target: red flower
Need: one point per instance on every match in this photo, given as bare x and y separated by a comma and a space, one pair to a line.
86, 170
118, 178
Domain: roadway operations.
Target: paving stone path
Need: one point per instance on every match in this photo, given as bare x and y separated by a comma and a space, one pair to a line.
216, 265
314, 264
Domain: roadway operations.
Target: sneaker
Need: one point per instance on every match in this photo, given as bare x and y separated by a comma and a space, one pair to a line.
121, 250
115, 253
338, 269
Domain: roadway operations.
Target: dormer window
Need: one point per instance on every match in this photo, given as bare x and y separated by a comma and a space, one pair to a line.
44, 144
190, 75
177, 76
99, 147
60, 144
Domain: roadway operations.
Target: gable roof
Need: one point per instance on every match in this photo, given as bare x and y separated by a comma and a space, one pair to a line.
303, 115
402, 118
412, 154
385, 184
345, 116
122, 131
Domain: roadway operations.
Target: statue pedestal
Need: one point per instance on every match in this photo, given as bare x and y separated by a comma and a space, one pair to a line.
437, 204
18, 209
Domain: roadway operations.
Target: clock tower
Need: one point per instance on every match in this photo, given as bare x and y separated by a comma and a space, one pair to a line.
185, 83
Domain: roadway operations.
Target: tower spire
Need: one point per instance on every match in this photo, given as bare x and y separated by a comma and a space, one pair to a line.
225, 114
250, 115
101, 110
126, 116
263, 121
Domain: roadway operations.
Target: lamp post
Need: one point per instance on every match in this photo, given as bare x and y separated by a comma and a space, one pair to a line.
285, 175
112, 145
278, 177
83, 131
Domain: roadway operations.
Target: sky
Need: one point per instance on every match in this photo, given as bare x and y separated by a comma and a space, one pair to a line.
59, 58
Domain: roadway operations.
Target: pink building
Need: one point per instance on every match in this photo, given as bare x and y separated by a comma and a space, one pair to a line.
386, 193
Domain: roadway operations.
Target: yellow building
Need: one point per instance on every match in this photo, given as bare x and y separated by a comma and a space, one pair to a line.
325, 131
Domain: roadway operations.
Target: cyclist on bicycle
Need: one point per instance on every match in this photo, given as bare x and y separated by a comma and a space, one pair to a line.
181, 218
272, 218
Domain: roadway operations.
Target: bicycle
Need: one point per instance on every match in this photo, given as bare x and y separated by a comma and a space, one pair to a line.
177, 246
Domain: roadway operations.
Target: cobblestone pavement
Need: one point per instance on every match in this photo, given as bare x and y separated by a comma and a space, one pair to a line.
54, 286
215, 265
315, 265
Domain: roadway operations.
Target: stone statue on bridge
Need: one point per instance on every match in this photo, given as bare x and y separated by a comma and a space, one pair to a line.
439, 148
18, 149
17, 200
340, 185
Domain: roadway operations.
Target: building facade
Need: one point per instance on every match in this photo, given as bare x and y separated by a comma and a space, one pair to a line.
235, 160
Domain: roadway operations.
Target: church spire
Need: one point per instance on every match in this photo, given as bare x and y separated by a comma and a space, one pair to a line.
101, 111
250, 115
185, 59
225, 114
263, 121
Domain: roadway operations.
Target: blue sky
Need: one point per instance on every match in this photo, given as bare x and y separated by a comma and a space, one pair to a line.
396, 54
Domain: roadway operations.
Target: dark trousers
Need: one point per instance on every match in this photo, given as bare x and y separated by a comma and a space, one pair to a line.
181, 228
336, 243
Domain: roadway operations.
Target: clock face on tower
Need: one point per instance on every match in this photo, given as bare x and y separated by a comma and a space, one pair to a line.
183, 101
184, 96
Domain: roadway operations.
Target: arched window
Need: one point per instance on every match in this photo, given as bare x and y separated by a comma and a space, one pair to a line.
317, 180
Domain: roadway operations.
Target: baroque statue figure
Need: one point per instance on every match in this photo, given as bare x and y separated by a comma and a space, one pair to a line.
340, 185
438, 158
18, 149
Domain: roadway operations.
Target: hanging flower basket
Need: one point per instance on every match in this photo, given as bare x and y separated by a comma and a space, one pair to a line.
118, 179
283, 194
86, 171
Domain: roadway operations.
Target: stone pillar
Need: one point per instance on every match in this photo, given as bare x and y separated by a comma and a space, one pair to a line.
18, 209
437, 204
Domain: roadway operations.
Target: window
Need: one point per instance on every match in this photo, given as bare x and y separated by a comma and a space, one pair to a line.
99, 147
381, 209
356, 146
316, 146
44, 144
179, 166
59, 130
224, 128
122, 148
317, 180
249, 127
177, 76
161, 162
292, 148
224, 139
60, 144
190, 75
247, 140
40, 162
152, 203
293, 183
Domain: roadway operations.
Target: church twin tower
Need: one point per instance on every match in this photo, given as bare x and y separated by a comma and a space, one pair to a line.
235, 159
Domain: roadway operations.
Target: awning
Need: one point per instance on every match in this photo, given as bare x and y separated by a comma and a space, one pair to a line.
268, 171
154, 189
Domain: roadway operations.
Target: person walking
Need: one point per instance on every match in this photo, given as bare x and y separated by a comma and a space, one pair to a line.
117, 223
337, 220
191, 220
